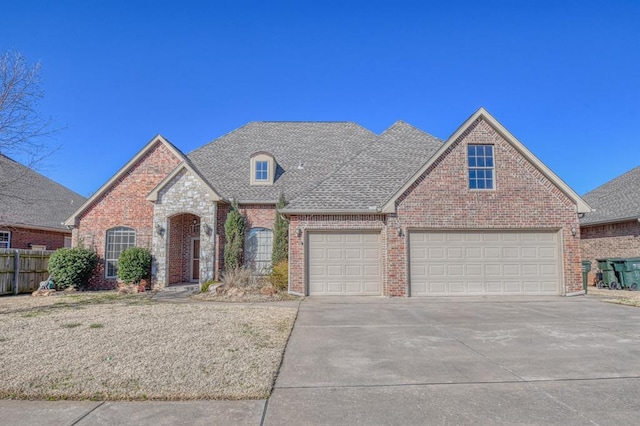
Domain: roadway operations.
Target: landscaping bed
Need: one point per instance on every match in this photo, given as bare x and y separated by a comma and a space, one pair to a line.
129, 347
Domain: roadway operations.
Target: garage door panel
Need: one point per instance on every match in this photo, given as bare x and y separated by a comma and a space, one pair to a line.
484, 262
344, 263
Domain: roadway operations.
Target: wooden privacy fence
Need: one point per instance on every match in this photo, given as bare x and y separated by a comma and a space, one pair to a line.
27, 268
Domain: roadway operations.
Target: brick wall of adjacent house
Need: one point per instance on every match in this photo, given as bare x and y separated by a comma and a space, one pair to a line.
609, 240
440, 199
125, 204
23, 238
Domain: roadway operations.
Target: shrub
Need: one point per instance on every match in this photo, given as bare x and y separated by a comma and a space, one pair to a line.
280, 275
234, 228
205, 286
239, 277
280, 235
134, 265
72, 267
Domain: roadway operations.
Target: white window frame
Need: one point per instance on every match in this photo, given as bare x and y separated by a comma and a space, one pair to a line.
67, 242
5, 239
479, 172
258, 257
111, 255
262, 158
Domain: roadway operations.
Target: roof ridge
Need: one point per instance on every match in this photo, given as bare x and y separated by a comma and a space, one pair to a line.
615, 179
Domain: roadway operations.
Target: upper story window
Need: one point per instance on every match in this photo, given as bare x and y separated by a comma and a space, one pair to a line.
262, 170
263, 167
481, 169
5, 239
118, 239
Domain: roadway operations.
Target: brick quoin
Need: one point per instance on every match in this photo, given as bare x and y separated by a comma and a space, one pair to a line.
23, 238
125, 204
609, 240
440, 199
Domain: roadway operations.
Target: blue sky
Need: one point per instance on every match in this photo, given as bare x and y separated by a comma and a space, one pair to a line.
562, 76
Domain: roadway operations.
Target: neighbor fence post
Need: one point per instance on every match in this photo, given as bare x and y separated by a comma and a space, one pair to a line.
16, 272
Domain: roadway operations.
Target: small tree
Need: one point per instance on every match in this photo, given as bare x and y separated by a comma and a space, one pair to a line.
71, 267
234, 228
280, 235
134, 265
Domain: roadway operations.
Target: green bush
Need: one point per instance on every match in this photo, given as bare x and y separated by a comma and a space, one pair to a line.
280, 235
205, 286
134, 265
280, 275
234, 228
72, 267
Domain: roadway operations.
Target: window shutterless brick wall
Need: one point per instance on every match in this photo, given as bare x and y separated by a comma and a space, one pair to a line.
22, 238
609, 240
440, 199
125, 204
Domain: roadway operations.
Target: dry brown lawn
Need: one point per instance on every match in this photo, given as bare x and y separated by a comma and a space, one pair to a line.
105, 346
621, 297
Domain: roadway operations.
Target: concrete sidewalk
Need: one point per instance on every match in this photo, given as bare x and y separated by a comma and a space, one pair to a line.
564, 361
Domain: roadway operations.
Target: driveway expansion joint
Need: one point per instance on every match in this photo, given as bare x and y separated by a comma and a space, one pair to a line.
83, 416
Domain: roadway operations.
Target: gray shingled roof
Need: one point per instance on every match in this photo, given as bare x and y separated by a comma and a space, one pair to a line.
321, 146
616, 200
373, 176
27, 198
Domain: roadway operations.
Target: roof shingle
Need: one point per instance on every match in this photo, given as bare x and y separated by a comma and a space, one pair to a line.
30, 199
616, 200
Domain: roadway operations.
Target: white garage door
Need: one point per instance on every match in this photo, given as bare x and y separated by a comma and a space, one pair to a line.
344, 263
475, 263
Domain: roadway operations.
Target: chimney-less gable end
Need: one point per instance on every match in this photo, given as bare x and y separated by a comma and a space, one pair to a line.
262, 168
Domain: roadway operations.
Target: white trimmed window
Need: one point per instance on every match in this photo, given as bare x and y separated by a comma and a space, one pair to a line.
5, 239
258, 246
67, 242
263, 167
118, 239
480, 158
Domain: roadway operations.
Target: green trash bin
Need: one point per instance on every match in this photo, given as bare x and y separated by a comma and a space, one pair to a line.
631, 272
586, 268
609, 278
620, 268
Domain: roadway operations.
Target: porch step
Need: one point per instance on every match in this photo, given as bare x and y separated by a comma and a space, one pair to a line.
182, 287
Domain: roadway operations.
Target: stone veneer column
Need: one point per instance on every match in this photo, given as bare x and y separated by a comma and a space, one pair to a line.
185, 193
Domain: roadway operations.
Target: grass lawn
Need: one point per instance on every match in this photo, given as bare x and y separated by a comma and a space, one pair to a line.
621, 297
105, 346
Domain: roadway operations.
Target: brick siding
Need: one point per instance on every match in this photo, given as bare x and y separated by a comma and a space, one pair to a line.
125, 204
609, 240
23, 238
440, 199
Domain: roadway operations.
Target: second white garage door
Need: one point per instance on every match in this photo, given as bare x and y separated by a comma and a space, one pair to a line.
344, 263
476, 263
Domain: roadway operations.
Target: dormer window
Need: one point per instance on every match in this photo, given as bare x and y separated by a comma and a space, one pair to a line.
263, 167
262, 171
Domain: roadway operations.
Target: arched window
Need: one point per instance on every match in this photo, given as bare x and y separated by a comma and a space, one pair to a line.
258, 246
117, 240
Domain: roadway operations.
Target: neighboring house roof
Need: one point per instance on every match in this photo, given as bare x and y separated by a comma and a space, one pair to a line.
616, 201
31, 200
305, 153
367, 180
71, 220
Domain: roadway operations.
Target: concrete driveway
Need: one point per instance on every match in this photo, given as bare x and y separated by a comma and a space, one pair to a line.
460, 361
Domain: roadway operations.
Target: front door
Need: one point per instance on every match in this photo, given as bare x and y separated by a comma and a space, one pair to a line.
195, 260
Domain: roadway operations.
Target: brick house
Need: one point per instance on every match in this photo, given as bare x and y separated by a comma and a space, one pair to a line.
398, 214
33, 209
612, 229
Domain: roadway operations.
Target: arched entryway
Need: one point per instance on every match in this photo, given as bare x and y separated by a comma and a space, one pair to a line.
183, 248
